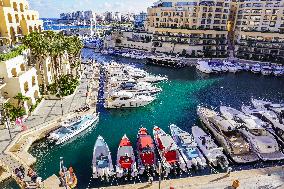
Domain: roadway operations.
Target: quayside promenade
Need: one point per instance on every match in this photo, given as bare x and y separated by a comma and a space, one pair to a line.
50, 113
272, 178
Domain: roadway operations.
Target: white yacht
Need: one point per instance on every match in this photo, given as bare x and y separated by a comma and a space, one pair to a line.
256, 68
246, 67
233, 141
124, 99
231, 67
102, 162
140, 88
204, 67
216, 66
262, 142
209, 148
266, 70
188, 148
72, 127
152, 79
125, 161
268, 116
278, 109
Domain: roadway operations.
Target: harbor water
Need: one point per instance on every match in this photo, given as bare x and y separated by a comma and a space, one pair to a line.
176, 104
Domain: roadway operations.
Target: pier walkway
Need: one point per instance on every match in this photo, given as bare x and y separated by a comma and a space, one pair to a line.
264, 178
14, 153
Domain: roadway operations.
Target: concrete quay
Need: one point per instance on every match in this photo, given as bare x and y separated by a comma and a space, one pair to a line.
14, 152
263, 178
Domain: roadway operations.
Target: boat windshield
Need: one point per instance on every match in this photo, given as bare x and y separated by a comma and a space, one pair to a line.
102, 161
258, 132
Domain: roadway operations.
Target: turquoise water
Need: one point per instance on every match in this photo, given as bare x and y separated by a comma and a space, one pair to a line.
177, 103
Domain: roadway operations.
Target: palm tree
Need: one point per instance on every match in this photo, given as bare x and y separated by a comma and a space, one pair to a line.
38, 45
21, 99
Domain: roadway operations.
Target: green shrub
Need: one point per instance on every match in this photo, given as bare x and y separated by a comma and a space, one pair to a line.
14, 53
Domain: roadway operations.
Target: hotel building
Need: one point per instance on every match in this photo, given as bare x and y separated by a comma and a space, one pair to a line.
17, 20
196, 26
259, 30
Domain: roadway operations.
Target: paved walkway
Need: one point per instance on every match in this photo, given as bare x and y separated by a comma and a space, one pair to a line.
267, 178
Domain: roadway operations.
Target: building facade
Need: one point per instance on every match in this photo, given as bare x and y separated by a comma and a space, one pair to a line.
17, 20
259, 30
19, 77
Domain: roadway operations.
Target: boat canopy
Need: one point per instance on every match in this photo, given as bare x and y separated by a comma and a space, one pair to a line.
146, 142
125, 142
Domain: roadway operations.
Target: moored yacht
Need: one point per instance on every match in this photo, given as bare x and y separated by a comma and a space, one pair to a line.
233, 141
70, 128
209, 148
188, 148
230, 66
168, 151
125, 99
204, 67
266, 70
125, 161
262, 142
102, 162
268, 116
278, 70
145, 152
256, 68
140, 88
277, 108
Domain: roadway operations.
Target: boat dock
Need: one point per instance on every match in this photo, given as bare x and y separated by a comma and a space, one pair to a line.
272, 177
15, 153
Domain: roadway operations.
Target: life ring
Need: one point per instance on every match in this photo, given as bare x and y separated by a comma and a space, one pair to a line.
71, 177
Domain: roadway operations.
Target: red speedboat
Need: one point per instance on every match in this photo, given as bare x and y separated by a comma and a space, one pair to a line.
146, 151
125, 162
168, 151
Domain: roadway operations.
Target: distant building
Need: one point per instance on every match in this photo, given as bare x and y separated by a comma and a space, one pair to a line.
139, 19
259, 30
117, 16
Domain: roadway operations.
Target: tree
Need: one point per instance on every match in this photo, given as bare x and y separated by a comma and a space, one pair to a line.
21, 99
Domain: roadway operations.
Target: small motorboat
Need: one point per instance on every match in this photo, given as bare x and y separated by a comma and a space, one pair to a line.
72, 127
102, 162
256, 68
266, 70
211, 151
168, 151
145, 152
125, 162
188, 148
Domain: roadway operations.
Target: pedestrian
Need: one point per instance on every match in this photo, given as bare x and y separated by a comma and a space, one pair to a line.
229, 171
22, 169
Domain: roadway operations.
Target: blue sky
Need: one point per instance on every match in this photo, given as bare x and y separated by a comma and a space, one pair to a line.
52, 8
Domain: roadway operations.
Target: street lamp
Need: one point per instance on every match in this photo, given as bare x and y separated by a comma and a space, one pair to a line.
5, 118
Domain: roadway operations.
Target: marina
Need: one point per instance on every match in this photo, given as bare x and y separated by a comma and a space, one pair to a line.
199, 87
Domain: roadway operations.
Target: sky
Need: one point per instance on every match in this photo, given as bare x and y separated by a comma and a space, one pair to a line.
52, 8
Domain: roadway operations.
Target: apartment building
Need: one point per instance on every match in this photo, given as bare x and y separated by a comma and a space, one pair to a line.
17, 20
259, 30
195, 27
18, 77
